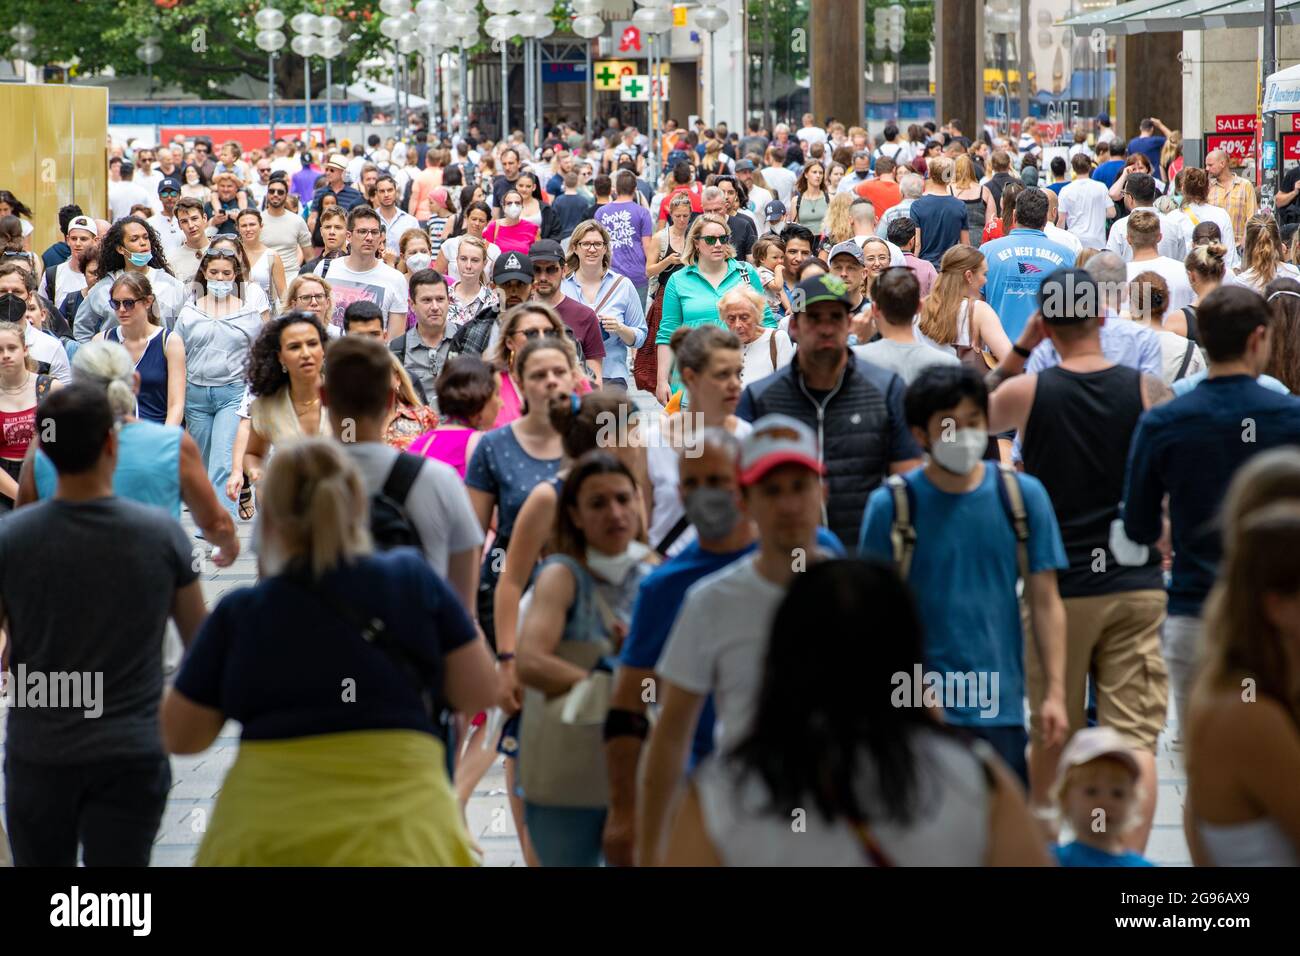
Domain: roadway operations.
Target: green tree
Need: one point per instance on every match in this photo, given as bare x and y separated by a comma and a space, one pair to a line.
205, 43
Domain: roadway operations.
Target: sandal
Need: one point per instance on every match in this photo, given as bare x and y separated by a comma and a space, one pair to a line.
246, 509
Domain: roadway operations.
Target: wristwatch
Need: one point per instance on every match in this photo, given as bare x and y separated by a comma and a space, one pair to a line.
1020, 350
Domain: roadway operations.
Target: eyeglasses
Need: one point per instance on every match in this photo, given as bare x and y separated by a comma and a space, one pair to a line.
713, 240
265, 172
119, 304
365, 232
591, 245
311, 297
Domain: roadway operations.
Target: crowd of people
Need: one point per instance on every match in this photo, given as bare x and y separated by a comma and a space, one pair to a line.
590, 457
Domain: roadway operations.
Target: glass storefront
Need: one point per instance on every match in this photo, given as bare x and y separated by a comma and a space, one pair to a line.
1071, 78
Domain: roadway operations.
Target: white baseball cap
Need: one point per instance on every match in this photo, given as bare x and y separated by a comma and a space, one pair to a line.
1092, 742
85, 223
777, 440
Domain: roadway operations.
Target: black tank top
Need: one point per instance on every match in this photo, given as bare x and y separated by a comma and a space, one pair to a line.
1076, 443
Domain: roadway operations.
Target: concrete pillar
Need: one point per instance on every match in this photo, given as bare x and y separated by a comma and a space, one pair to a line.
959, 63
836, 29
1150, 81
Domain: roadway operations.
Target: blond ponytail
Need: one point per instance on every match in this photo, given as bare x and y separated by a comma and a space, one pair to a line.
108, 365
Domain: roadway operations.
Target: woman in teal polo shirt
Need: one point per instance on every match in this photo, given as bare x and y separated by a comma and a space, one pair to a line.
691, 296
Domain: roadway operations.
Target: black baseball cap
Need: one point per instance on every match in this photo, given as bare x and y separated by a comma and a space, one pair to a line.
169, 184
545, 250
512, 266
1069, 295
823, 288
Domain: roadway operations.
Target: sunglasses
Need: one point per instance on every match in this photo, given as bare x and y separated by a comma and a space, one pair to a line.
540, 270
168, 194
531, 334
223, 254
277, 192
119, 304
713, 240
13, 254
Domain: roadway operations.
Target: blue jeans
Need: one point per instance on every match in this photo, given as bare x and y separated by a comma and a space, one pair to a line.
211, 415
566, 836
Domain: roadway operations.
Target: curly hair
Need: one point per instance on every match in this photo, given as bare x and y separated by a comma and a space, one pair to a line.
111, 260
266, 374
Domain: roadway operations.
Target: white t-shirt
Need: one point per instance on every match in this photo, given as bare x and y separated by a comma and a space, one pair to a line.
811, 134
380, 284
1067, 239
757, 355
122, 196
782, 180
438, 504
1174, 273
1173, 350
758, 198
1193, 214
1085, 202
285, 234
1171, 237
66, 281
169, 233
44, 347
719, 642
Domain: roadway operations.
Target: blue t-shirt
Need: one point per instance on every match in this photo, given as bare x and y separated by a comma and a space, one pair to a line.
941, 220
659, 601
964, 570
502, 468
1150, 147
1018, 264
1057, 187
571, 210
1108, 172
1079, 854
275, 657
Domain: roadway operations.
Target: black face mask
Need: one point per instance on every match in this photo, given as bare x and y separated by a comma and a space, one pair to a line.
13, 307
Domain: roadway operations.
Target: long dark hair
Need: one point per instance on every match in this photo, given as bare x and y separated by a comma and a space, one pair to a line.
1283, 297
110, 260
826, 712
569, 538
266, 375
18, 207
458, 228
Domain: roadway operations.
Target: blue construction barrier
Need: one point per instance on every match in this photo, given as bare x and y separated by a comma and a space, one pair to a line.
230, 113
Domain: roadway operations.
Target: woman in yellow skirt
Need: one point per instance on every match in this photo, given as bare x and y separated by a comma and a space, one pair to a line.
337, 664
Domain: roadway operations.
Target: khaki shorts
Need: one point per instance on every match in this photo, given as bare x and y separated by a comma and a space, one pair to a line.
1116, 638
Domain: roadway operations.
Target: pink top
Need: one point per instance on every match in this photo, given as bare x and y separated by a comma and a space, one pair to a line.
511, 405
446, 444
516, 238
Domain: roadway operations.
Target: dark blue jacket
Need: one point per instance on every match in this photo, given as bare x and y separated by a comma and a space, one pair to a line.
860, 430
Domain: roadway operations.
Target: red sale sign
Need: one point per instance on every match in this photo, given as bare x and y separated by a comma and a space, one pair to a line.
1235, 123
1290, 147
1238, 148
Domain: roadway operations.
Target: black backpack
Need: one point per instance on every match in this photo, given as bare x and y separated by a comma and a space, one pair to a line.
390, 524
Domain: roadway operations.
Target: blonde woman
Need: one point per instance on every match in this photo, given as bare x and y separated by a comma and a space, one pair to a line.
470, 295
311, 293
330, 780
980, 207
264, 265
956, 316
691, 297
837, 225
1263, 256
284, 376
611, 296
671, 244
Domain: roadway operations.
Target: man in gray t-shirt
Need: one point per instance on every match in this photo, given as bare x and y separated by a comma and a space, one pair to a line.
87, 583
896, 297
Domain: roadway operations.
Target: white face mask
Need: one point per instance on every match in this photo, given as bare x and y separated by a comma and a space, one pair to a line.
962, 453
220, 290
513, 211
417, 261
615, 568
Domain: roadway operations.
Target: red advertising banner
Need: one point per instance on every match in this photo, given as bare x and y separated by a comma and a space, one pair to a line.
1237, 123
1290, 147
250, 137
1239, 148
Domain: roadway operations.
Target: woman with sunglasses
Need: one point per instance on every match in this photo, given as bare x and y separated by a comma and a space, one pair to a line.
265, 267
159, 357
521, 325
691, 295
217, 330
21, 391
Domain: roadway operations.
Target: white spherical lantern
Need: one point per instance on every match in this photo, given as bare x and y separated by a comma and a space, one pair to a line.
588, 27
502, 26
268, 19
710, 19
270, 40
